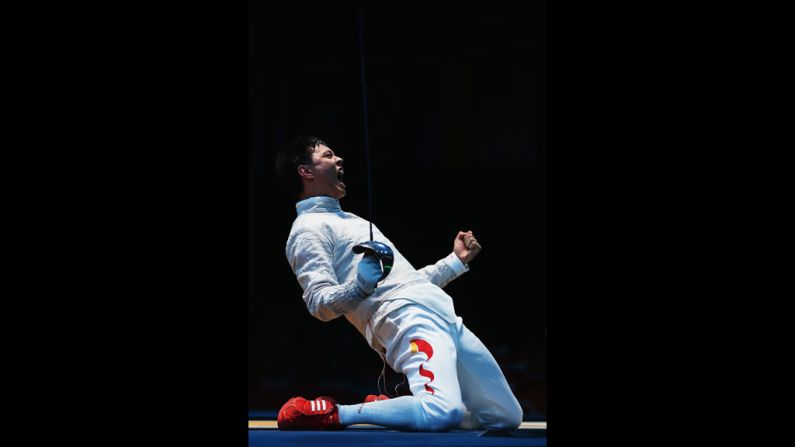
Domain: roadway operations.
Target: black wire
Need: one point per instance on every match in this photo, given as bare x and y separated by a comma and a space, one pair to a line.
366, 135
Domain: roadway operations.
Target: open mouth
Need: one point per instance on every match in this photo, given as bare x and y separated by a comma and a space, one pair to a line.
340, 174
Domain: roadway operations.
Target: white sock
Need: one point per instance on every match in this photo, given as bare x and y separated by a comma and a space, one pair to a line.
402, 413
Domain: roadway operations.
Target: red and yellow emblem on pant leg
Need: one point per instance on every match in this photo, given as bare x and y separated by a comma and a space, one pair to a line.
418, 345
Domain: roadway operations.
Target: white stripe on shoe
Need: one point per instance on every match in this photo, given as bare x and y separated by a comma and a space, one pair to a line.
324, 404
313, 405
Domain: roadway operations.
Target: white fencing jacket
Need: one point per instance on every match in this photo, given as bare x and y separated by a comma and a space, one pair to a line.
320, 253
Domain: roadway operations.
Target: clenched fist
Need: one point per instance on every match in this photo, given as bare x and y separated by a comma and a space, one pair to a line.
466, 247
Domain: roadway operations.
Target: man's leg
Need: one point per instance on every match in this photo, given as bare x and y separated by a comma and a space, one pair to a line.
421, 346
484, 390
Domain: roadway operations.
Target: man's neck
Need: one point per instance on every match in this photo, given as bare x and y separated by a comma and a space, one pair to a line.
307, 196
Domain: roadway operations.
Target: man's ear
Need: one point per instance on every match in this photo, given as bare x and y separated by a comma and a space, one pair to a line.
305, 172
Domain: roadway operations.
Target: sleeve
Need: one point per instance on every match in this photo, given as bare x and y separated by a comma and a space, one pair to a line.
445, 270
311, 257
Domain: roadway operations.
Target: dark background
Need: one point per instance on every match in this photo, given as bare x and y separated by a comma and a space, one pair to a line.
456, 92
130, 202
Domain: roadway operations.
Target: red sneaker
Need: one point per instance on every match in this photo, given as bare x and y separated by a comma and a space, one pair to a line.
301, 414
373, 398
330, 399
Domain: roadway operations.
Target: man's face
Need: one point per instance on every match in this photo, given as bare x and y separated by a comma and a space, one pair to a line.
327, 171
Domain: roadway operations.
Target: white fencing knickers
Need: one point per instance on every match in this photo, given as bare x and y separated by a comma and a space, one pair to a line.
448, 369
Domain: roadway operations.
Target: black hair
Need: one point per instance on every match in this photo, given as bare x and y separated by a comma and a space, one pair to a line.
298, 152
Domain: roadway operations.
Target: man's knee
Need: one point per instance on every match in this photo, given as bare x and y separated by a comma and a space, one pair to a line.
510, 418
440, 415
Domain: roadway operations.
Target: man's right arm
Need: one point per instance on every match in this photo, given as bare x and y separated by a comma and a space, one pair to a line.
311, 257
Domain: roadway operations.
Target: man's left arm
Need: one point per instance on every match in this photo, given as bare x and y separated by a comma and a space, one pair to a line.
465, 248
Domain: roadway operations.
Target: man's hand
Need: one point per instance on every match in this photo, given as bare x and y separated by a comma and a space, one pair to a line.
368, 274
466, 247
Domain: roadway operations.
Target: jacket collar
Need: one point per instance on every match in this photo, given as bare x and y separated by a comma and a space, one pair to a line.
318, 204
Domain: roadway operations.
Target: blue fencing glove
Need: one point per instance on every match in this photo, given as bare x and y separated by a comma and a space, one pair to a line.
368, 274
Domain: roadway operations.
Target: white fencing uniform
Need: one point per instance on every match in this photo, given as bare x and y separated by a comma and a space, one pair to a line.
408, 316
